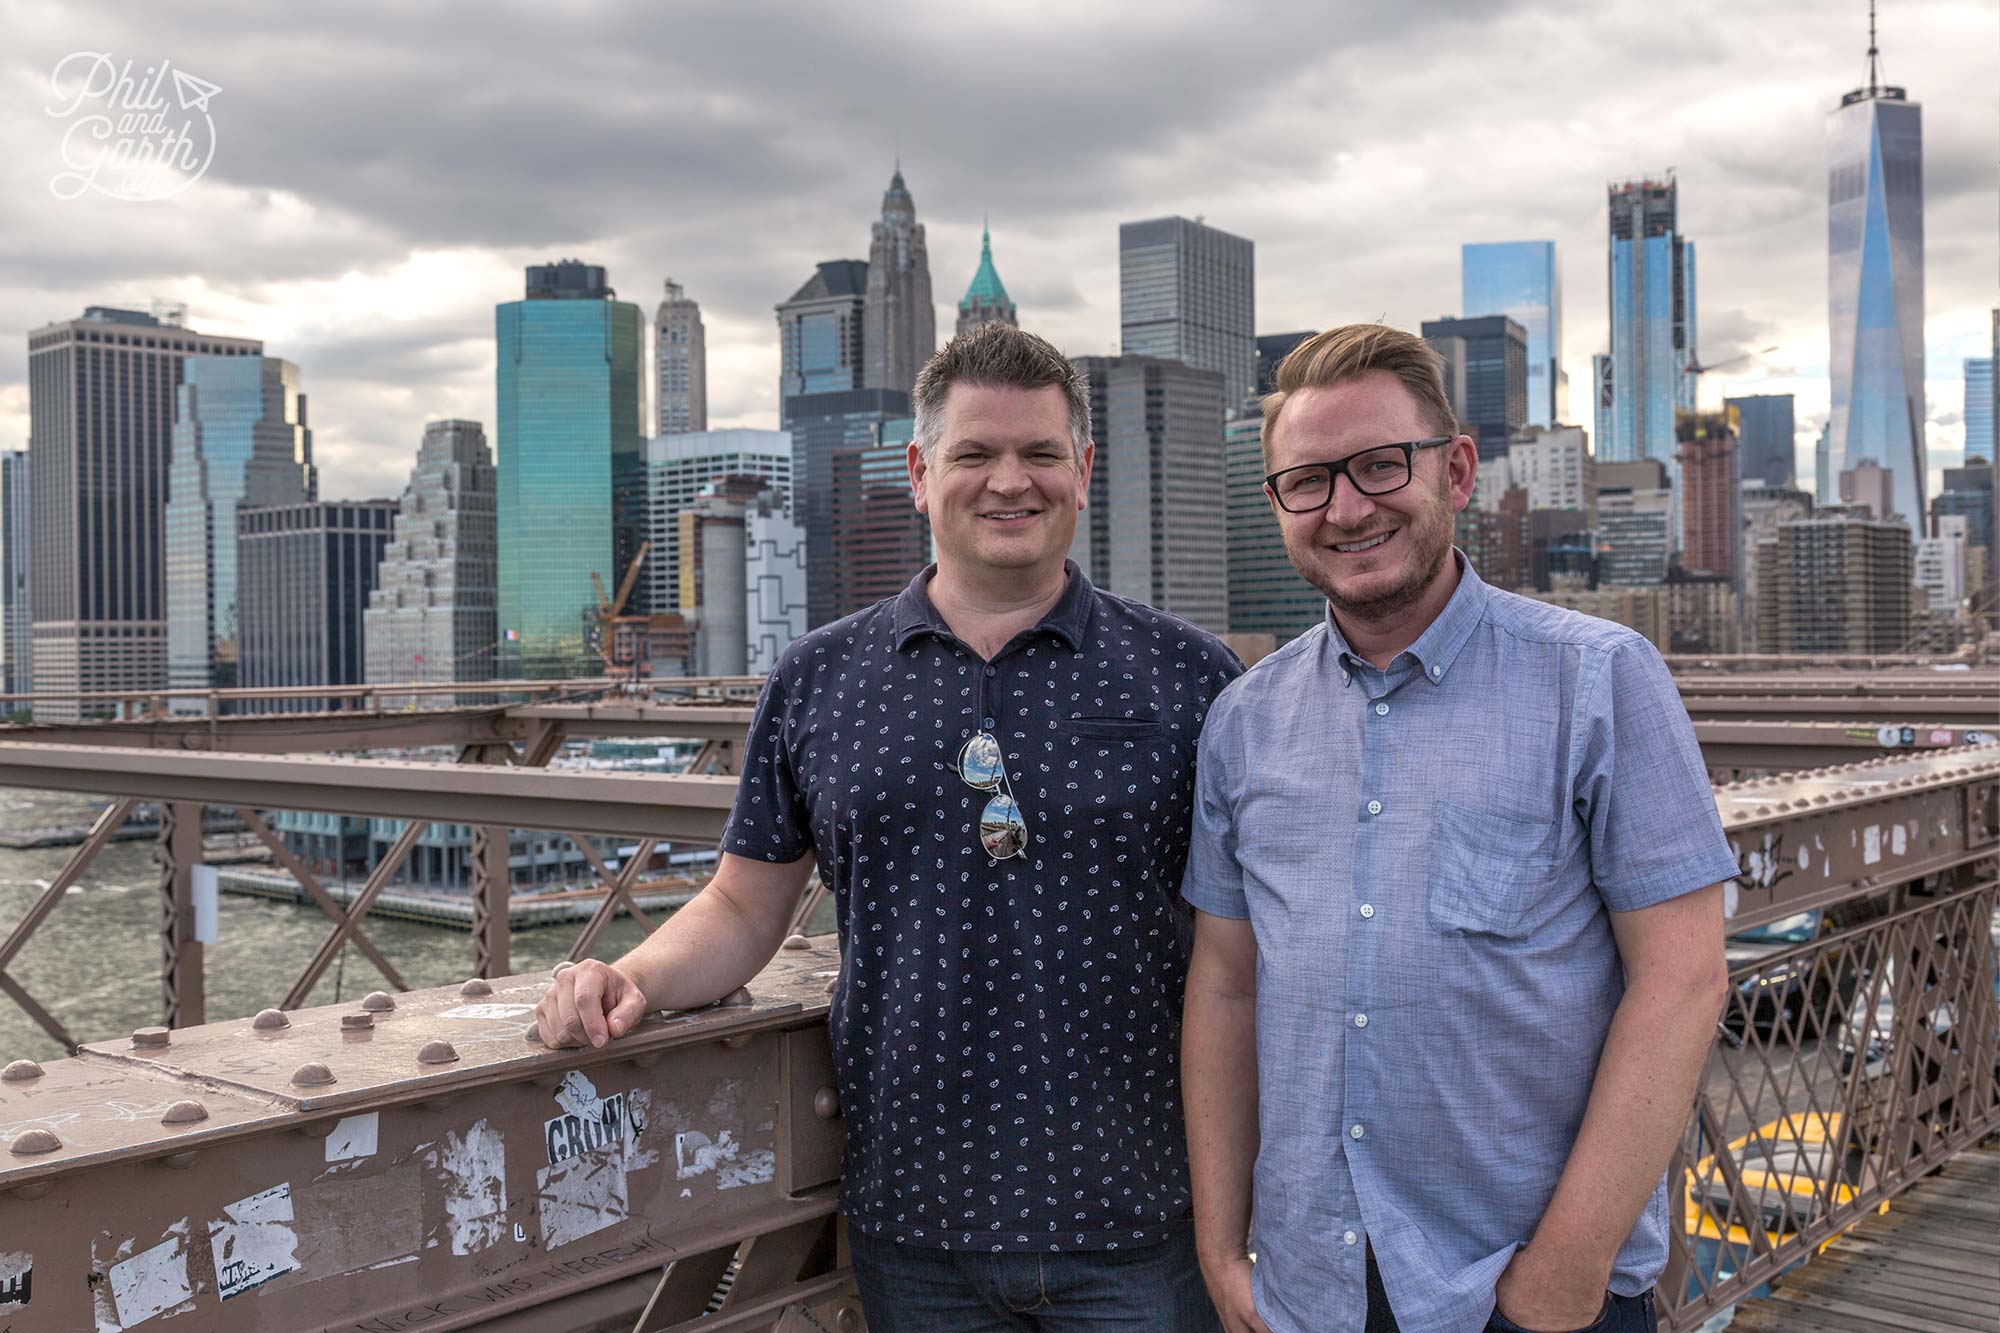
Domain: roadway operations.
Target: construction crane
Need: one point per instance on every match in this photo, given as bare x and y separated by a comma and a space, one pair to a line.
608, 608
1695, 367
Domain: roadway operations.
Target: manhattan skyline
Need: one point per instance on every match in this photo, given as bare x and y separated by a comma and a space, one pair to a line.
364, 228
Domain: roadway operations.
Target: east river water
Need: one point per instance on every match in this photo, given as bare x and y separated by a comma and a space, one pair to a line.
95, 962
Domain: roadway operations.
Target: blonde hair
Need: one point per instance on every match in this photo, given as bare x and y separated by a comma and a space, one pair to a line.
1354, 350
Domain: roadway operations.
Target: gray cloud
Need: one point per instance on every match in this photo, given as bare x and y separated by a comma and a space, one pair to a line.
384, 170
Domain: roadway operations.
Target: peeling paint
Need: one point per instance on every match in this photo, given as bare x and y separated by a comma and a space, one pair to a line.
254, 1241
142, 1286
580, 1196
755, 1168
17, 1280
1871, 844
474, 1168
1898, 840
355, 1137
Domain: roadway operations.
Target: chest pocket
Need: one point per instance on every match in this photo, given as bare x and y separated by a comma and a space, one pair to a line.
1107, 730
1488, 871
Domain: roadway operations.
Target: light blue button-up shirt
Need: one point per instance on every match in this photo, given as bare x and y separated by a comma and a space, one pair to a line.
1428, 856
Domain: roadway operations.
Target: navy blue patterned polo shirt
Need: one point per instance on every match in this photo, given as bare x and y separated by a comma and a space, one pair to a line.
1006, 1034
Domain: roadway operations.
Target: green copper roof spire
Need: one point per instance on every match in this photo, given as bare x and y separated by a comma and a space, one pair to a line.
986, 300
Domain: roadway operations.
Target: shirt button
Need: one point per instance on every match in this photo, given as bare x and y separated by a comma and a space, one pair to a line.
1355, 1132
1381, 710
1350, 1237
1368, 911
1437, 671
990, 671
1361, 1020
1374, 807
987, 723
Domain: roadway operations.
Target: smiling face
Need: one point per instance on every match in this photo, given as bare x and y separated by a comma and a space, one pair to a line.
1372, 556
1003, 485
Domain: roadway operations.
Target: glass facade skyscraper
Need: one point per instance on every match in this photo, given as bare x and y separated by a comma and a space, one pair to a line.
824, 425
820, 331
1486, 376
1652, 322
1521, 280
1765, 425
1187, 292
571, 477
1875, 287
1266, 594
1979, 407
240, 439
17, 674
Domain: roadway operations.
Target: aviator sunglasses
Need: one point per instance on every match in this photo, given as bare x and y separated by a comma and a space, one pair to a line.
1002, 832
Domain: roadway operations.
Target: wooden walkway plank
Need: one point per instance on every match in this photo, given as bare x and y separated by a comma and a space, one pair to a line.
1931, 1264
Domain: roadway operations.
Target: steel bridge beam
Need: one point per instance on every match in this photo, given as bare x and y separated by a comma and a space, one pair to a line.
673, 808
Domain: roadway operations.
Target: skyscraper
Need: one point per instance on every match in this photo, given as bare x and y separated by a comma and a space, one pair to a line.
1187, 292
17, 675
1652, 322
823, 425
880, 541
1765, 427
1711, 495
101, 411
1266, 594
680, 350
304, 576
1979, 415
1602, 392
899, 322
1835, 583
1156, 526
1875, 285
986, 300
679, 468
821, 347
1487, 370
433, 612
571, 481
1272, 349
240, 438
1871, 486
1521, 280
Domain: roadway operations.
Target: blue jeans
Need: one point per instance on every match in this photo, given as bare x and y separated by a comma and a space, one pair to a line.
1149, 1289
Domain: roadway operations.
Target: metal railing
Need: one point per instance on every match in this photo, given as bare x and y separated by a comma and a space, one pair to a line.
1849, 1067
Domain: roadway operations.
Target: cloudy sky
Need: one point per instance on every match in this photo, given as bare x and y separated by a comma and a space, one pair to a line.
381, 173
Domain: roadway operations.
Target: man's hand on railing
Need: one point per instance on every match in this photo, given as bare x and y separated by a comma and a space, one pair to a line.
588, 1004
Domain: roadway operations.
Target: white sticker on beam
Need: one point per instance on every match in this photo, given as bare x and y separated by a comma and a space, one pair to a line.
356, 1136
150, 1283
254, 1241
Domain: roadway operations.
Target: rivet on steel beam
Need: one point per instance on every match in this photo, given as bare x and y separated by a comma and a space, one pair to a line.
826, 1103
437, 1053
644, 1059
20, 1071
797, 942
32, 1191
184, 1112
29, 1142
378, 1002
312, 1074
269, 1020
737, 1041
1763, 810
150, 1037
848, 1320
476, 987
356, 1022
737, 998
533, 1033
180, 1161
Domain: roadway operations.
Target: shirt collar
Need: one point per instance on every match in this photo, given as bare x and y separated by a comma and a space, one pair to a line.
1068, 619
1439, 645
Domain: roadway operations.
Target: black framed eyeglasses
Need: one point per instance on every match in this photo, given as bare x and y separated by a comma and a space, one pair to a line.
1002, 831
1375, 471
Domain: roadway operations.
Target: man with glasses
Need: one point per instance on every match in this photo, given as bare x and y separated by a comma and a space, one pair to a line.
994, 770
1458, 951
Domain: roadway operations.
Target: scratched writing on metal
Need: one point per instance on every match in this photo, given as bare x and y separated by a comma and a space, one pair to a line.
562, 1271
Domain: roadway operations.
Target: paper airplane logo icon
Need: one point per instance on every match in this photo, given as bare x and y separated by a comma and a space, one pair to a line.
194, 93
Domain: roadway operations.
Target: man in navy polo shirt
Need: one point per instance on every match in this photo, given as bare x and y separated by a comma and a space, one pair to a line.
994, 770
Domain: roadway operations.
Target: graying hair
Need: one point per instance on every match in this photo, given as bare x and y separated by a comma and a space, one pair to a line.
998, 356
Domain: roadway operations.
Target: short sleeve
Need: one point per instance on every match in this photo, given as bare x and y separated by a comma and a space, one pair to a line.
770, 820
1213, 882
1642, 789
